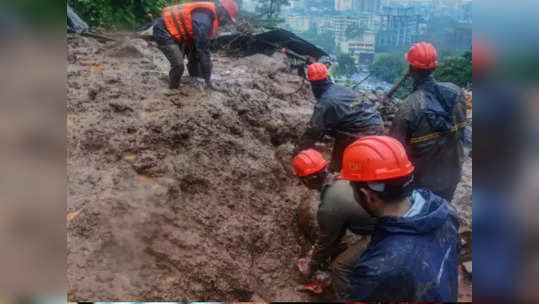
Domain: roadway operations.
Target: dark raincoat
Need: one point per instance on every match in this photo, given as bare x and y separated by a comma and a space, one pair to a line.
430, 124
411, 258
341, 114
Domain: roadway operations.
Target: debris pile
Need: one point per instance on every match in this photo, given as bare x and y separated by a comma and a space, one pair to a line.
184, 193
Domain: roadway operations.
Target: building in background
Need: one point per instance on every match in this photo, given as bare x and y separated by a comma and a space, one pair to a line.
399, 26
340, 24
367, 6
361, 48
465, 15
343, 5
298, 22
321, 23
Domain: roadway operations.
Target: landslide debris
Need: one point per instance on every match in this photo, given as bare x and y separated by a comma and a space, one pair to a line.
189, 193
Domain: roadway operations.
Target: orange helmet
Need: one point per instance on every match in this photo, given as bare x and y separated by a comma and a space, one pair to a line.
308, 162
317, 71
422, 55
375, 158
231, 7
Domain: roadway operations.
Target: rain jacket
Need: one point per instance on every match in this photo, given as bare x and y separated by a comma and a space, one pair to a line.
340, 113
411, 258
337, 212
430, 124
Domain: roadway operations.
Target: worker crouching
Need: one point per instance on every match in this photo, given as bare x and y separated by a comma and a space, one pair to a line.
187, 29
337, 213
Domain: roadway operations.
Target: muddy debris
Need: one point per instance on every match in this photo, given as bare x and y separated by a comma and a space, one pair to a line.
192, 188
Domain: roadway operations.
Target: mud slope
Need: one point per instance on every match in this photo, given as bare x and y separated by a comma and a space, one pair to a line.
184, 194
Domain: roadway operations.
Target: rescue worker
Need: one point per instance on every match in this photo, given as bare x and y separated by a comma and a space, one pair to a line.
414, 249
337, 213
186, 29
339, 113
430, 123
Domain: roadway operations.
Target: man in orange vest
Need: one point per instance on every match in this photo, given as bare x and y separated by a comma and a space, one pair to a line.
186, 29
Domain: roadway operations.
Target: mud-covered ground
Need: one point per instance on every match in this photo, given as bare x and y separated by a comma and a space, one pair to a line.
185, 194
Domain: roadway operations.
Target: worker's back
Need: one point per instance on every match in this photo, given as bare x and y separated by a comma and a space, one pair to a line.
411, 258
339, 205
430, 123
346, 112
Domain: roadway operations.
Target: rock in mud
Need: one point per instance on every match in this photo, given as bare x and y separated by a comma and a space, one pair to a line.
129, 48
468, 267
120, 105
306, 216
265, 64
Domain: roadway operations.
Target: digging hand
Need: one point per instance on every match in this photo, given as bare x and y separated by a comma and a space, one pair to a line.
304, 264
317, 283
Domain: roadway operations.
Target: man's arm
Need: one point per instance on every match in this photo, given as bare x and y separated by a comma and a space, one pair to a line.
332, 229
316, 127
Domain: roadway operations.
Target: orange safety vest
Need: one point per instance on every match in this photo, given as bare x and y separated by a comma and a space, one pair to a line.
179, 23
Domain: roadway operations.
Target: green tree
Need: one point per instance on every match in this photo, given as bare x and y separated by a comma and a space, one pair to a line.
455, 69
116, 14
269, 11
388, 67
346, 65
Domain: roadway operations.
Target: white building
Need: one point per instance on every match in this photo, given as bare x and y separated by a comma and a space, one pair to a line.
371, 6
343, 5
298, 23
340, 24
321, 23
362, 48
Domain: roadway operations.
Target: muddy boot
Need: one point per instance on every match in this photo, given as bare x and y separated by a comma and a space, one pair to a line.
174, 54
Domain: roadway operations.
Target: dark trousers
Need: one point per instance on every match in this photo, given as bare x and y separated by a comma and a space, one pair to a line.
175, 53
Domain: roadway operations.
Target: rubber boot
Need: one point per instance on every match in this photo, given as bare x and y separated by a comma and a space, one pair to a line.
174, 54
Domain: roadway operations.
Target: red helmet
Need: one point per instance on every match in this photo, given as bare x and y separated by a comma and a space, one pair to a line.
375, 158
422, 55
231, 7
317, 71
308, 162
